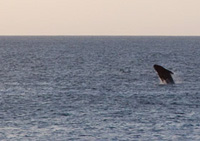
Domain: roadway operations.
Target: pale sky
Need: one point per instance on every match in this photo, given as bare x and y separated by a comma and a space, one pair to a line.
100, 17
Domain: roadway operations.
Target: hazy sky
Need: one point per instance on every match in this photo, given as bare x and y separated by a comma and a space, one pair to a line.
99, 17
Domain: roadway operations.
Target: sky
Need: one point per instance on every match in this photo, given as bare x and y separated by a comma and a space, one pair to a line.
100, 17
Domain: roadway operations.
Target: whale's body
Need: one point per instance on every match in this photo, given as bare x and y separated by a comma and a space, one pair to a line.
164, 74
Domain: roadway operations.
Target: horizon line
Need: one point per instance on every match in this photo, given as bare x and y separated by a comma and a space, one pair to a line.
108, 35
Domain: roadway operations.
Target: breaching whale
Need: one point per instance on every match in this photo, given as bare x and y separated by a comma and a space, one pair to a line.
164, 74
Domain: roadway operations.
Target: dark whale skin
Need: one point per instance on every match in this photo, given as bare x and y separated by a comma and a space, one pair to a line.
164, 74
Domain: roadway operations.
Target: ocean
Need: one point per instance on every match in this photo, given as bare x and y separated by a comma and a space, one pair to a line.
98, 88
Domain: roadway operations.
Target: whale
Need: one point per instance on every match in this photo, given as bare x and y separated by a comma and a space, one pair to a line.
164, 74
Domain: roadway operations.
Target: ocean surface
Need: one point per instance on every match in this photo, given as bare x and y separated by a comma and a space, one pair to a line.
98, 88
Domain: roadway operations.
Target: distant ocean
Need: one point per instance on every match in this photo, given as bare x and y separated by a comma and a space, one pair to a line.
98, 88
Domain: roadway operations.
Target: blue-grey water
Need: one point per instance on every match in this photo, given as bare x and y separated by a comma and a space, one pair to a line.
98, 88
